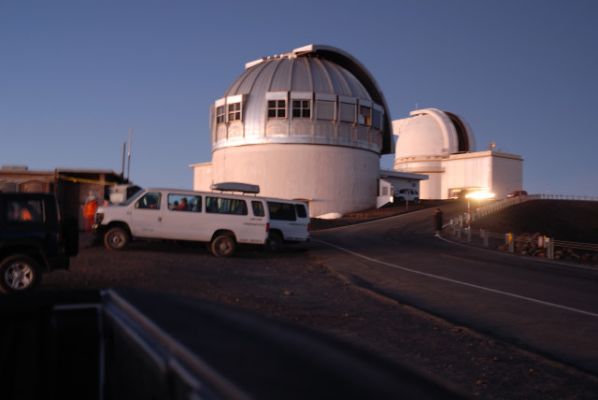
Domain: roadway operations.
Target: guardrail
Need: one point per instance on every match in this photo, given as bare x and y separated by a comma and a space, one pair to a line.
525, 244
536, 245
564, 197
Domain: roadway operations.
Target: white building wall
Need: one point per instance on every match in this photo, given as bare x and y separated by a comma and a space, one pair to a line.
507, 175
500, 173
202, 176
474, 171
333, 179
385, 193
432, 187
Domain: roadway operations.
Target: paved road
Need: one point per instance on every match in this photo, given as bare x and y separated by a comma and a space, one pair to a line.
547, 307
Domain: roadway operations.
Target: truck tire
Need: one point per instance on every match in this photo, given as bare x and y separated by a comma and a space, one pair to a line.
223, 245
19, 273
116, 238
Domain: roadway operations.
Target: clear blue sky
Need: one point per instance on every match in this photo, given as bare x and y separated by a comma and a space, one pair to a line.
76, 75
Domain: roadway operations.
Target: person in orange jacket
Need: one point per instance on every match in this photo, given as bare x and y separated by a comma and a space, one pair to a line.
89, 210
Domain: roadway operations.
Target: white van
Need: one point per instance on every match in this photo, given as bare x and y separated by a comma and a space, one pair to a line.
221, 220
289, 222
409, 195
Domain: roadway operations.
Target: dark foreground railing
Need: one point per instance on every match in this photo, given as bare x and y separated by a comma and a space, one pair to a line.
140, 345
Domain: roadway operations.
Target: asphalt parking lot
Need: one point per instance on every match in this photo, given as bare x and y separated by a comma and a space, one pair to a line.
294, 286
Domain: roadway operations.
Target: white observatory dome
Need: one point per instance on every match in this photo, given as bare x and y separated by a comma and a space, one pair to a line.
314, 94
309, 124
431, 133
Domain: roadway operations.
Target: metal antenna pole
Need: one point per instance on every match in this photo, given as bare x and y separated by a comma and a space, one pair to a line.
129, 155
122, 170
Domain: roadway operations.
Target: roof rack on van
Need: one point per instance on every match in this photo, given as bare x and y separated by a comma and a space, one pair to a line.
236, 187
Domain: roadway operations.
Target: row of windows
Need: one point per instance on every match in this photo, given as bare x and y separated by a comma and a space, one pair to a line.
325, 111
191, 203
286, 211
218, 205
232, 114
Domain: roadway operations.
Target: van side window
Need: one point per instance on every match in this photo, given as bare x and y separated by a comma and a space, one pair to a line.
301, 212
281, 211
149, 201
184, 202
258, 208
220, 205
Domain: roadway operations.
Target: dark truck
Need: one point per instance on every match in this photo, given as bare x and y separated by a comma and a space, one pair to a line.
34, 239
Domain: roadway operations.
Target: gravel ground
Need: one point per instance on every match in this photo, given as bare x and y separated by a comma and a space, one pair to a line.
295, 287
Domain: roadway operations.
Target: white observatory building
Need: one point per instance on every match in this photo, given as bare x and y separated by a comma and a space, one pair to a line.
310, 124
441, 145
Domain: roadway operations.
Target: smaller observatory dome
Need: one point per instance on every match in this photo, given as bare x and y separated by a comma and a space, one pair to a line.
431, 133
312, 95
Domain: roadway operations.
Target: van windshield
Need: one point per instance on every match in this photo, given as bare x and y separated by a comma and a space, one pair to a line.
132, 198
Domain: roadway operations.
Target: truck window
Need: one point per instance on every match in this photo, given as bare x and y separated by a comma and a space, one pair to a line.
150, 201
258, 208
26, 211
281, 211
221, 205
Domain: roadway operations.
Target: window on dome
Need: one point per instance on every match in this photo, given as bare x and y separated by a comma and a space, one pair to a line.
377, 119
365, 116
277, 108
347, 112
220, 114
234, 112
325, 110
301, 108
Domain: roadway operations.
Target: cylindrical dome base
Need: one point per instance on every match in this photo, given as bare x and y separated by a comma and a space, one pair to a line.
331, 178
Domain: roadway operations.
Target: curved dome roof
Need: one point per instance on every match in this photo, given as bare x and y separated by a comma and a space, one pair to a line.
431, 132
299, 74
312, 72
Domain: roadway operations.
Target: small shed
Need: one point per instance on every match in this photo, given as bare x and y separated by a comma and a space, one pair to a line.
71, 186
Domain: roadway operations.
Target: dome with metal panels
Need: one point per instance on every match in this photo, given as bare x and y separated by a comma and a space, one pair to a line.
311, 95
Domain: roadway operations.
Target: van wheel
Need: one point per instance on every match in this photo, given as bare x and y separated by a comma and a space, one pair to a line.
116, 238
223, 245
19, 273
274, 242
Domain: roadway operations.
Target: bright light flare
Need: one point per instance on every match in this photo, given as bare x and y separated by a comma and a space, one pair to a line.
480, 195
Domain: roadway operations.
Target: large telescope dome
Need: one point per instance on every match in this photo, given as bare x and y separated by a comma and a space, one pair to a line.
309, 124
311, 95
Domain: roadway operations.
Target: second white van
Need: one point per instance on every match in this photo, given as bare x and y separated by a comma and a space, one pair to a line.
289, 222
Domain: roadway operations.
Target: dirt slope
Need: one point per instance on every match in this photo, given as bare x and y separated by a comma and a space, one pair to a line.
575, 221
